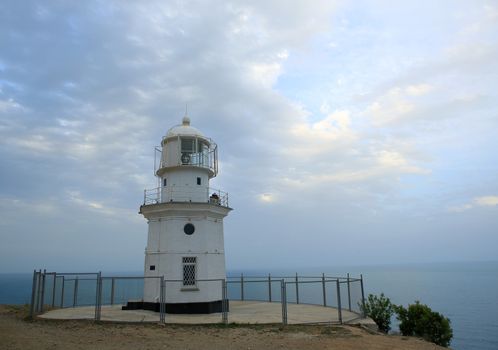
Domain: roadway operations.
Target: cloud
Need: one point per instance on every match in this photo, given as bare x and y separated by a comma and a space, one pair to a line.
265, 73
39, 207
487, 201
418, 90
398, 104
307, 139
266, 197
99, 208
9, 105
484, 201
328, 153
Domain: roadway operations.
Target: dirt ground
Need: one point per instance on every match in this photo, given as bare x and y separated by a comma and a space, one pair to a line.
18, 333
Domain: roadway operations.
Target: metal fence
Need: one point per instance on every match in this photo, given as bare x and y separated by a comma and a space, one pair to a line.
333, 299
199, 194
340, 297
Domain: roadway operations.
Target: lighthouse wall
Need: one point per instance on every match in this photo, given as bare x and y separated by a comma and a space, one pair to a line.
182, 185
170, 155
168, 244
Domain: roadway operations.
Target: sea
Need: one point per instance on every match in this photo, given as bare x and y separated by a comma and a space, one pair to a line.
466, 293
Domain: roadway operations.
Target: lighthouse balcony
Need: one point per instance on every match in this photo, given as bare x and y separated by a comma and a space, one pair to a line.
185, 159
184, 194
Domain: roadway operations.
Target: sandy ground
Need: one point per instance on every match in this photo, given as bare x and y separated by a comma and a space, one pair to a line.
18, 333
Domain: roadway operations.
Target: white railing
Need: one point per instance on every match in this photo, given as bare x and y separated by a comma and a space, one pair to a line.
152, 196
203, 160
184, 194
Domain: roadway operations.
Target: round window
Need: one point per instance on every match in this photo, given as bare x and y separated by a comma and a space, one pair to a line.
188, 229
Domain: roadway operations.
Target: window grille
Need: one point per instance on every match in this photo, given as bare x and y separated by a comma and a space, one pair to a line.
189, 267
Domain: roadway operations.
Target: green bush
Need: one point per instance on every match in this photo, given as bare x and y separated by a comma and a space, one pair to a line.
379, 309
421, 321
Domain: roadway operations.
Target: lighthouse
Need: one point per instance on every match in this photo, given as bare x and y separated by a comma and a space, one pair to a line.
185, 243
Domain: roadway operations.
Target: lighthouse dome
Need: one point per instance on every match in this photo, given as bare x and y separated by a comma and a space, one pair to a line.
184, 129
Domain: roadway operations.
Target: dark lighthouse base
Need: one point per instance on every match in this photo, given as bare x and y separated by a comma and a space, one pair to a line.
177, 308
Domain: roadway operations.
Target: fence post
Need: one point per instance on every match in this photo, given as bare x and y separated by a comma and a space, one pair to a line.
62, 292
97, 296
224, 311
112, 291
349, 294
297, 289
75, 292
100, 295
269, 288
242, 286
38, 291
339, 308
43, 290
53, 289
33, 295
324, 290
284, 301
362, 297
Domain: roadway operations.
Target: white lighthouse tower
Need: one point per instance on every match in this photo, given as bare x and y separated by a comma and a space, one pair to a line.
185, 217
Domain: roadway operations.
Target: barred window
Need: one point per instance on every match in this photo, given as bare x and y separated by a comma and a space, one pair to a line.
189, 266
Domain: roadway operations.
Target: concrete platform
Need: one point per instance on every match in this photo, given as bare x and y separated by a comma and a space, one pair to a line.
247, 312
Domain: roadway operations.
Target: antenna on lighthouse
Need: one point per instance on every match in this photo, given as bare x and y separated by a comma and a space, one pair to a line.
186, 119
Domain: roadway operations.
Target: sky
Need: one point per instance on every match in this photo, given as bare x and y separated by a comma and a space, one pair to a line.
349, 132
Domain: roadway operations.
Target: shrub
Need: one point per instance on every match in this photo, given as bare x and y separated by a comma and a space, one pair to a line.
421, 321
379, 309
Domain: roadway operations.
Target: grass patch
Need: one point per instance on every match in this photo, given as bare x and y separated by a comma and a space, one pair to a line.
19, 311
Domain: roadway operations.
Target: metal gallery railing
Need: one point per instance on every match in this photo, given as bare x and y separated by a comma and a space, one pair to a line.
341, 295
182, 194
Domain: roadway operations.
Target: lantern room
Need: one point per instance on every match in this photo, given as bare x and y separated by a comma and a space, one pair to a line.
185, 146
